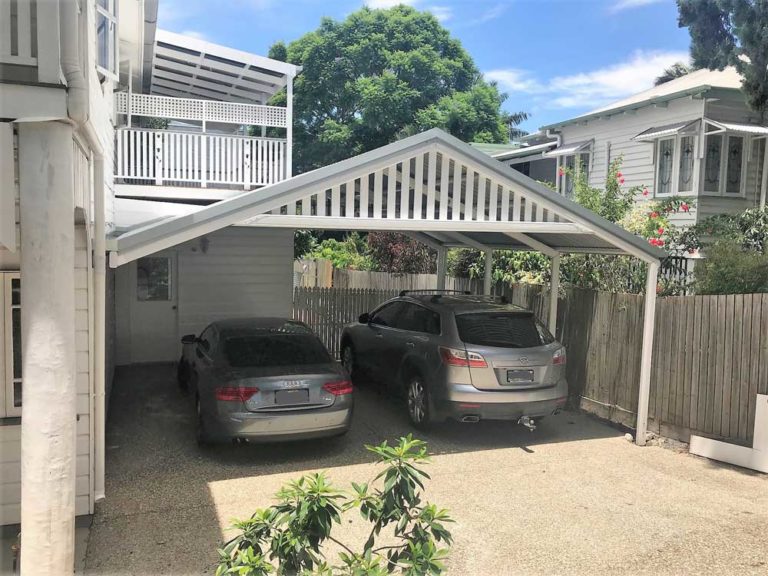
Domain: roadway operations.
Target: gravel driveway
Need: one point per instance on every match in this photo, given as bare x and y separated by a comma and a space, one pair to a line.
573, 497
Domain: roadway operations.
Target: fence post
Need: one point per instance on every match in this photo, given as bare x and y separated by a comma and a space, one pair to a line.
646, 357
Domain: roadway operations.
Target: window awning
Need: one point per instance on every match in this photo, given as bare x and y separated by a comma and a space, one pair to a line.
752, 129
524, 151
568, 149
667, 130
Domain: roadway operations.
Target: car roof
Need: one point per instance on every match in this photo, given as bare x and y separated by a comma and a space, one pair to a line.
245, 326
464, 303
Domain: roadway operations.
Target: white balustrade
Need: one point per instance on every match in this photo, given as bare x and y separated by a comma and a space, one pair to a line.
199, 110
164, 156
16, 37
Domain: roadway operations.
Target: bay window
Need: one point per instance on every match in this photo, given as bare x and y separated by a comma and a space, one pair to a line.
572, 170
676, 165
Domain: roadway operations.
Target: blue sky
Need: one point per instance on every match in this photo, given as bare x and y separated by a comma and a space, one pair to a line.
555, 59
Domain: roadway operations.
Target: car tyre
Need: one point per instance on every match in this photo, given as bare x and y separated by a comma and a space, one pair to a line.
349, 360
203, 438
417, 402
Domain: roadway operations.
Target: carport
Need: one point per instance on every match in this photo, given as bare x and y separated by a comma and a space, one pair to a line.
436, 189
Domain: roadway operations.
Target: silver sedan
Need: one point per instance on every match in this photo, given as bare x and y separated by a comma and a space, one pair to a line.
264, 379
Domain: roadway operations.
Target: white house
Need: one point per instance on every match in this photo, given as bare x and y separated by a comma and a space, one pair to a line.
693, 136
146, 189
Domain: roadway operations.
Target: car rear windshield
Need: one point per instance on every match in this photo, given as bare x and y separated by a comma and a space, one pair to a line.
270, 350
501, 329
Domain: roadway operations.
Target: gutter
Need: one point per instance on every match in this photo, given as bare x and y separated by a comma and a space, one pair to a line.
77, 110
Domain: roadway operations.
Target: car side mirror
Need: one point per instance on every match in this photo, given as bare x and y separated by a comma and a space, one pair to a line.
189, 339
364, 318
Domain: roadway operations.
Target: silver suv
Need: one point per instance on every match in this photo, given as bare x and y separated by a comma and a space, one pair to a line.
459, 356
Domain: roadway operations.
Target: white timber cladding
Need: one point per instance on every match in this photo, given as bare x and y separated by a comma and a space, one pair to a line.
235, 272
17, 44
199, 110
158, 156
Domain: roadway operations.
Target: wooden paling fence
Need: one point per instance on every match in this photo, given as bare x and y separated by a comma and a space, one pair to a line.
710, 356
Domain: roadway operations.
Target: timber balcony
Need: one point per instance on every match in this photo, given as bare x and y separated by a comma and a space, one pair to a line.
198, 143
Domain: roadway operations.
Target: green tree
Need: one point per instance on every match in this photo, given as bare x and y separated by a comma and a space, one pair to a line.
381, 74
731, 33
677, 70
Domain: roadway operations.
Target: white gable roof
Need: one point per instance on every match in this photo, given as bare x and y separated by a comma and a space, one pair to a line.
431, 185
693, 83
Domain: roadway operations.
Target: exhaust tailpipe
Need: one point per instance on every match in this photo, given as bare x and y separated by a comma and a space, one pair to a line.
470, 418
528, 422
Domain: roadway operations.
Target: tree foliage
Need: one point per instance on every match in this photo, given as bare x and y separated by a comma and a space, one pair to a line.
290, 536
400, 254
349, 253
379, 75
677, 70
731, 33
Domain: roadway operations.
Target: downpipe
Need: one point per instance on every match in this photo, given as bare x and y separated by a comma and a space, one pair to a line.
77, 110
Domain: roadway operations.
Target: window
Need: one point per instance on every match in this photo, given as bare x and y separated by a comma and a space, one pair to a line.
387, 314
272, 350
10, 353
569, 163
415, 318
153, 278
724, 164
106, 38
502, 330
208, 339
676, 164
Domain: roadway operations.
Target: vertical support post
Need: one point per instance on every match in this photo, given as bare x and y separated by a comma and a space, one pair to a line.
442, 267
48, 428
130, 94
158, 139
764, 183
289, 126
203, 160
554, 288
99, 325
488, 279
646, 355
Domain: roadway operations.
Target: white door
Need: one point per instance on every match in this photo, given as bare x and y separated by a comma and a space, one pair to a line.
154, 310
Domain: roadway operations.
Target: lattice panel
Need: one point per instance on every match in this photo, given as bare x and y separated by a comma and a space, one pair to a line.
429, 186
200, 110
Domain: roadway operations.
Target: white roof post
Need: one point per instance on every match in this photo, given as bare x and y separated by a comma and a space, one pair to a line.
764, 183
442, 262
646, 355
488, 280
554, 288
48, 412
289, 126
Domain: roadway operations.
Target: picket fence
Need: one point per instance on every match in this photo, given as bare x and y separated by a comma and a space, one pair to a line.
710, 356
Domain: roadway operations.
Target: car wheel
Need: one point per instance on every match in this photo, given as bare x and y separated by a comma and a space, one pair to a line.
182, 376
203, 438
417, 398
348, 360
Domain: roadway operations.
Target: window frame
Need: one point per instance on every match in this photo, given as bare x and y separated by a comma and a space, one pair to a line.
562, 163
113, 41
7, 409
675, 176
747, 143
425, 309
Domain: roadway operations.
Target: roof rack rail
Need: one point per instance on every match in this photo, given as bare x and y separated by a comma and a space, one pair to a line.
428, 291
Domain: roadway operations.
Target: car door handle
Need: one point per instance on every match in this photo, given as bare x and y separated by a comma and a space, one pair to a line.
410, 344
379, 335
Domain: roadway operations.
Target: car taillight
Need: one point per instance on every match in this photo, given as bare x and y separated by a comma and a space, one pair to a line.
235, 394
338, 387
558, 357
456, 357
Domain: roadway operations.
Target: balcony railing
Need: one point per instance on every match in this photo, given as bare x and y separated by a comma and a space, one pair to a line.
170, 157
199, 110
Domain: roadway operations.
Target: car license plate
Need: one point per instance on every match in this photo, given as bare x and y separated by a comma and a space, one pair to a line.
294, 396
517, 376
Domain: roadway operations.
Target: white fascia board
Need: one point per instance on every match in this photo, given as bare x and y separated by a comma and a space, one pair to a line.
33, 103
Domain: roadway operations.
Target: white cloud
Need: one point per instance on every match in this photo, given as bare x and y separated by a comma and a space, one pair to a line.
442, 13
194, 34
490, 14
622, 5
388, 3
591, 89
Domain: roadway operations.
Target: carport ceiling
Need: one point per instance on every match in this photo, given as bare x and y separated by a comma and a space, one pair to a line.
431, 186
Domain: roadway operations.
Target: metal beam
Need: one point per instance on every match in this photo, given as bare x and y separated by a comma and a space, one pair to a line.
533, 243
467, 241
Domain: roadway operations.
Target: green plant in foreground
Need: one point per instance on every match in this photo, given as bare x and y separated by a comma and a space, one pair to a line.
291, 536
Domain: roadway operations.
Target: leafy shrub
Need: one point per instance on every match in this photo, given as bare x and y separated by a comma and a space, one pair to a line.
729, 269
290, 536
